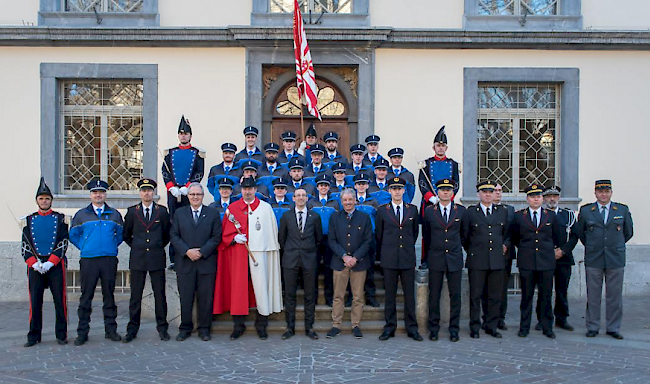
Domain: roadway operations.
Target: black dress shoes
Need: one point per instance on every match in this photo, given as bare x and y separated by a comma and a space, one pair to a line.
164, 335
591, 333
372, 302
502, 326
474, 334
113, 336
416, 336
538, 326
311, 334
494, 333
236, 334
357, 332
615, 335
62, 341
564, 325
205, 336
522, 333
549, 334
129, 338
433, 336
182, 336
453, 336
30, 343
81, 340
288, 334
386, 335
262, 333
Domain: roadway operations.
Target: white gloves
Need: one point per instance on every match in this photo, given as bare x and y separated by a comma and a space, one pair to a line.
175, 191
183, 190
434, 200
240, 238
46, 266
38, 267
302, 147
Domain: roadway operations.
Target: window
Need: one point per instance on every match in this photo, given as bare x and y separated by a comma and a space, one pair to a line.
508, 15
328, 103
102, 134
334, 13
99, 13
517, 129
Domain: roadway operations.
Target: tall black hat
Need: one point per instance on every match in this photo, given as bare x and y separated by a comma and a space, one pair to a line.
311, 131
441, 137
43, 189
184, 126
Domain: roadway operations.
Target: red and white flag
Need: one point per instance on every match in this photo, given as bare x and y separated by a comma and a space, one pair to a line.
306, 79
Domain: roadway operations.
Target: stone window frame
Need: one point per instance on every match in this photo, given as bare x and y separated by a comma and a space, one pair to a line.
570, 18
360, 16
51, 153
568, 80
52, 14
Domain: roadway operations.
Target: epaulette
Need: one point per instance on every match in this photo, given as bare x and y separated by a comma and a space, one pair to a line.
23, 221
386, 205
68, 219
614, 205
587, 205
460, 168
201, 152
135, 206
165, 152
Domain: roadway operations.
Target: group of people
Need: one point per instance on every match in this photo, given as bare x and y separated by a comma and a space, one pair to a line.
282, 217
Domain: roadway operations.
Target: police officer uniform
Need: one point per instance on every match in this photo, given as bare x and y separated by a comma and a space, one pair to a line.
368, 205
338, 168
604, 230
313, 170
484, 232
402, 172
262, 189
296, 163
272, 169
285, 157
219, 203
441, 229
355, 169
369, 159
44, 244
397, 228
248, 154
182, 166
222, 169
536, 234
335, 157
146, 231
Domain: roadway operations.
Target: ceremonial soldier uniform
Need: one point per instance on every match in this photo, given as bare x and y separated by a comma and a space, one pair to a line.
310, 140
285, 157
436, 168
332, 156
44, 244
370, 158
536, 233
146, 231
182, 166
441, 229
604, 227
484, 233
221, 170
252, 153
397, 228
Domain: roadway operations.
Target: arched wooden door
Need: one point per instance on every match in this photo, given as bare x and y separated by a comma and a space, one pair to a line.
332, 105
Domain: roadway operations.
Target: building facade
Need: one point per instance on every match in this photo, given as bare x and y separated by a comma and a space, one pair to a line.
547, 91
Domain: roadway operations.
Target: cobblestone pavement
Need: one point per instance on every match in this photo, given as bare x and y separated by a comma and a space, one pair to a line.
570, 358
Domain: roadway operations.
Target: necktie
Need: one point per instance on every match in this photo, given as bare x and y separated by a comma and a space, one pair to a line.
332, 157
300, 220
487, 212
226, 168
99, 212
196, 217
396, 171
250, 153
397, 213
381, 185
535, 219
444, 214
356, 168
224, 205
146, 214
315, 169
297, 185
270, 169
323, 201
603, 213
372, 159
289, 156
361, 199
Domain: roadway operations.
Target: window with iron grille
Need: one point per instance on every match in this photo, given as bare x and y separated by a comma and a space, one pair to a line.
118, 6
102, 133
518, 15
518, 131
315, 6
331, 13
518, 7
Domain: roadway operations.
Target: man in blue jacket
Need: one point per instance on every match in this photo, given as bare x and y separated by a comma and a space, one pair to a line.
97, 232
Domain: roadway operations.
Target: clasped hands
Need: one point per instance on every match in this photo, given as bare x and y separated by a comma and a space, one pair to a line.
194, 254
41, 267
349, 261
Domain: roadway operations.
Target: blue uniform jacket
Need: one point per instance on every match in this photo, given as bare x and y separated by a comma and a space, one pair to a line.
95, 236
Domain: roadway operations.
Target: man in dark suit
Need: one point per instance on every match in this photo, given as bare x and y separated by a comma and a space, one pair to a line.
146, 231
196, 233
350, 239
300, 234
484, 233
441, 229
604, 227
563, 259
396, 230
536, 234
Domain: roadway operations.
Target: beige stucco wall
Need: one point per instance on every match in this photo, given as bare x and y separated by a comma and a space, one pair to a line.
201, 13
616, 15
432, 14
207, 85
23, 12
412, 102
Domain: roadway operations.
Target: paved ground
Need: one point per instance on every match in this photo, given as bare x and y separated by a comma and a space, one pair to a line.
571, 358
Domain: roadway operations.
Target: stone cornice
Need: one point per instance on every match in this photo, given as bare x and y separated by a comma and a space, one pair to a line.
251, 36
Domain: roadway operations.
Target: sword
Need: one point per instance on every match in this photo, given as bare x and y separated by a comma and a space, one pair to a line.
237, 225
24, 237
178, 198
422, 164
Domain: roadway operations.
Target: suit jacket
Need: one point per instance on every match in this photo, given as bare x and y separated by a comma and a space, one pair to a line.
322, 169
512, 250
536, 244
205, 234
350, 236
298, 245
567, 220
308, 187
282, 157
147, 238
445, 252
396, 240
604, 242
483, 238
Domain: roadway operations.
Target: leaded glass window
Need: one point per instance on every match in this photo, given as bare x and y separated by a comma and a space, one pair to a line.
329, 103
518, 131
102, 133
117, 6
518, 7
315, 6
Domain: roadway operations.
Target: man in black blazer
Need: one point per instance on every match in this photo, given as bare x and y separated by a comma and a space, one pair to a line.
396, 230
300, 234
441, 231
196, 233
485, 237
350, 239
536, 233
146, 231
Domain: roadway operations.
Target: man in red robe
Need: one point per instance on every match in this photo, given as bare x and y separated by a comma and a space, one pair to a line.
241, 284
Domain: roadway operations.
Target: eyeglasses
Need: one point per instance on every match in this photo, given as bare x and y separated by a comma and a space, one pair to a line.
194, 194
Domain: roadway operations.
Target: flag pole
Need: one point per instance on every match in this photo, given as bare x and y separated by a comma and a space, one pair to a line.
302, 124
